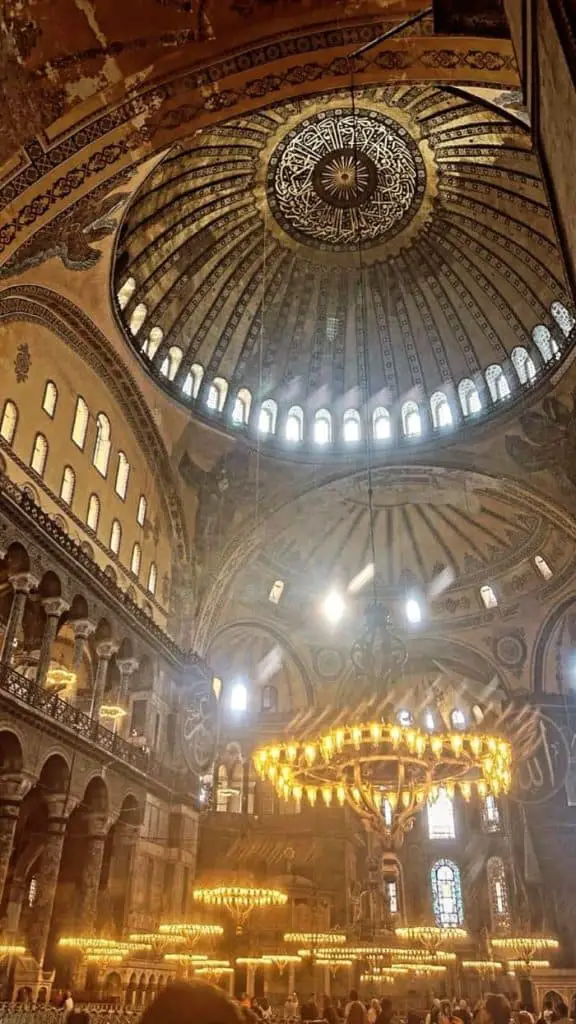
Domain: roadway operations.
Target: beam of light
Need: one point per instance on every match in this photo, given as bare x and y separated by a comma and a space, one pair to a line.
441, 582
333, 607
361, 579
269, 665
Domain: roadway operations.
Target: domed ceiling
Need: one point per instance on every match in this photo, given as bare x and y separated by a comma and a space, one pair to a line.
245, 246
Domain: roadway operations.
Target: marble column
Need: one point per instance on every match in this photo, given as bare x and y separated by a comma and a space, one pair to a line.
92, 857
13, 788
83, 630
47, 880
54, 608
22, 584
104, 652
127, 667
291, 977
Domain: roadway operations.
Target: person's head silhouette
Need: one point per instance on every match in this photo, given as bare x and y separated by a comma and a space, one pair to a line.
196, 1003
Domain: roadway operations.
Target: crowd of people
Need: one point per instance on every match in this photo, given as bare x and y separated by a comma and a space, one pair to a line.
199, 1003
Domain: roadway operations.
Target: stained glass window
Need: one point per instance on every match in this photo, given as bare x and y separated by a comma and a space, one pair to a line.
490, 814
447, 894
498, 888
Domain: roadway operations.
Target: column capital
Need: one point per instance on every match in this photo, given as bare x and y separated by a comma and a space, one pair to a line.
13, 788
55, 606
83, 628
60, 806
105, 649
23, 582
128, 666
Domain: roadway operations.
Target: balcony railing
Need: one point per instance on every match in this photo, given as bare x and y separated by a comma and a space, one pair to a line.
28, 692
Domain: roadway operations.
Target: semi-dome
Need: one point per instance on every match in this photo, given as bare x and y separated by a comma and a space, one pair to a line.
258, 255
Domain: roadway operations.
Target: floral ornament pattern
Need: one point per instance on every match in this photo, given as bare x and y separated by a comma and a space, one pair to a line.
22, 363
551, 439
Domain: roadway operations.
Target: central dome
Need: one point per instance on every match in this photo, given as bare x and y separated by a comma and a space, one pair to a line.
262, 254
345, 179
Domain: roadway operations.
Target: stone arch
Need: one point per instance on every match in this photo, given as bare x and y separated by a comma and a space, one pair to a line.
50, 585
17, 559
55, 774
113, 985
96, 797
131, 812
11, 752
543, 640
78, 608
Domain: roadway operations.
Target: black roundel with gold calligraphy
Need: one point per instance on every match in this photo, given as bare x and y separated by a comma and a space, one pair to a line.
345, 178
198, 728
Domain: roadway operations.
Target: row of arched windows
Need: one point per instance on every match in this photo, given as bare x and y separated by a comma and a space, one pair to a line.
39, 459
442, 411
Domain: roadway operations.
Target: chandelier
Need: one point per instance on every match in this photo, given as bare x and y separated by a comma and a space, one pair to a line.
431, 937
522, 949
384, 771
316, 938
240, 900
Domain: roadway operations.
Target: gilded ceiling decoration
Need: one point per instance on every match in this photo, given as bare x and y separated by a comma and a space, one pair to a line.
243, 246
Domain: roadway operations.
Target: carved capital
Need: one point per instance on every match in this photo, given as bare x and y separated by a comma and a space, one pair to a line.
55, 607
128, 666
83, 628
23, 582
105, 649
13, 788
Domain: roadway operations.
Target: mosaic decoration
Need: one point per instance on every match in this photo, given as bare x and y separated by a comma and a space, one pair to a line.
549, 439
342, 175
22, 363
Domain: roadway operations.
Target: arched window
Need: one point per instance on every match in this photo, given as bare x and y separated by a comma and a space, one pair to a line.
351, 425
9, 422
136, 560
543, 567
469, 397
242, 404
194, 378
413, 611
269, 699
457, 718
295, 424
447, 894
93, 515
80, 425
267, 417
152, 578
142, 509
497, 383
217, 394
547, 345
411, 423
441, 817
239, 697
137, 319
152, 343
39, 454
523, 365
68, 485
498, 890
172, 361
490, 814
276, 591
50, 399
563, 318
115, 537
126, 292
381, 424
323, 427
441, 411
122, 475
489, 599
102, 444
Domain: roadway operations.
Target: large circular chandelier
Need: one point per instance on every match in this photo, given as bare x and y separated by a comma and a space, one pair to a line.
240, 900
384, 771
522, 949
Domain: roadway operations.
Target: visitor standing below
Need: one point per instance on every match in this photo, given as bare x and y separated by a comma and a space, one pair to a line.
309, 1009
329, 1011
355, 1010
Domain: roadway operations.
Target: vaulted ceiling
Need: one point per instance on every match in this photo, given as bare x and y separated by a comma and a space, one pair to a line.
266, 248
